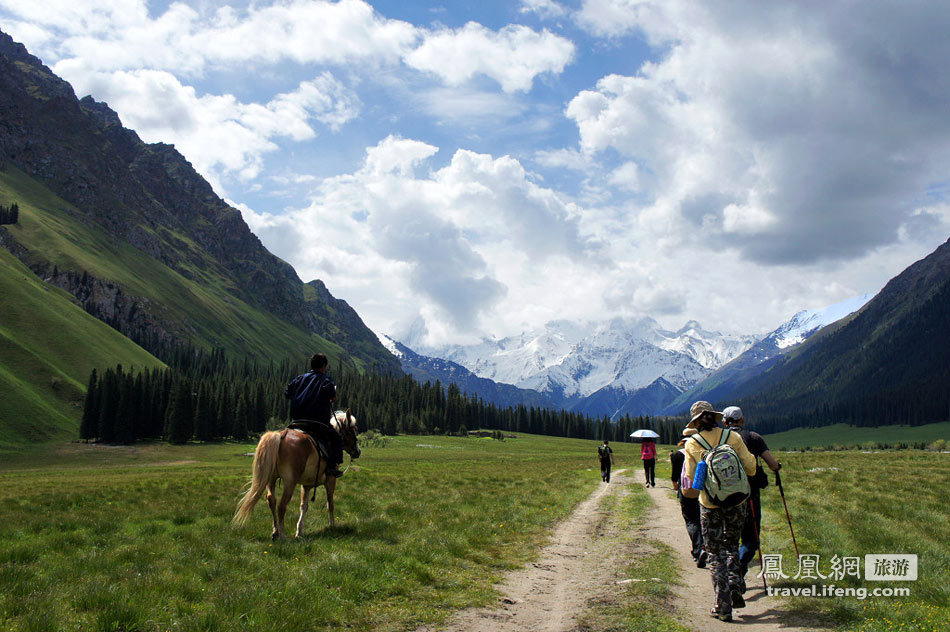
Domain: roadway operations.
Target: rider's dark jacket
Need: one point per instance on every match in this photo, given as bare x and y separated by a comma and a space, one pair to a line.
310, 396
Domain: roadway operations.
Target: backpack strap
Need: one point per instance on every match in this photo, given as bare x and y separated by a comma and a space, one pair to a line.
702, 442
724, 437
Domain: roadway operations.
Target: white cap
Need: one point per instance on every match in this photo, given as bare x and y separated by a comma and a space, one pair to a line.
731, 413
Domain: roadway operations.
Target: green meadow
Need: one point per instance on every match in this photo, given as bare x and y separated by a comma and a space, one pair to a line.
139, 538
850, 436
854, 503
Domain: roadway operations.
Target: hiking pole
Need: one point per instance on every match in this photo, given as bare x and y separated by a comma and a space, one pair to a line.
778, 481
758, 541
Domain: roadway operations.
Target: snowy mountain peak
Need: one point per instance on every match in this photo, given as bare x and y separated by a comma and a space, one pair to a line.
808, 321
576, 359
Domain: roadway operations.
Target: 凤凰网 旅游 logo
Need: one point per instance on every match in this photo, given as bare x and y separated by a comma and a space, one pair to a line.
890, 568
877, 567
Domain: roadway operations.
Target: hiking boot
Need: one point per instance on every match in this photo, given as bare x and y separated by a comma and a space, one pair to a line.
334, 471
737, 600
722, 617
701, 562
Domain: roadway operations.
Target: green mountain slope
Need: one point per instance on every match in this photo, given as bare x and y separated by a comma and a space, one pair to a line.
180, 263
887, 364
48, 347
130, 234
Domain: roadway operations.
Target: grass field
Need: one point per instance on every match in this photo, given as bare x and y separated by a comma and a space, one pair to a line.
849, 504
120, 538
845, 435
99, 538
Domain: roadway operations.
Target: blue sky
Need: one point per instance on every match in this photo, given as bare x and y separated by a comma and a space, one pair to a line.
485, 167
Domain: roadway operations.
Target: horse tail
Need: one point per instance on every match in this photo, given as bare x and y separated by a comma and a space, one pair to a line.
265, 465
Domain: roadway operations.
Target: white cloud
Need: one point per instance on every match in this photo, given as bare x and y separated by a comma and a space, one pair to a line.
471, 239
513, 56
217, 133
803, 143
543, 8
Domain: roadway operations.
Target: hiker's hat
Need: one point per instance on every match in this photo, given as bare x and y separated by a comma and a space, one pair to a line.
732, 413
696, 411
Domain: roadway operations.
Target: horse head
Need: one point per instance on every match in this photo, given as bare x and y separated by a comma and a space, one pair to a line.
346, 425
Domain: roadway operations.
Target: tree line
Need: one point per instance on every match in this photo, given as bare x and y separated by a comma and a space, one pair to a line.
10, 214
206, 397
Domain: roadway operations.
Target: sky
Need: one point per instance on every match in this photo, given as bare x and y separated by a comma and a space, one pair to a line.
481, 168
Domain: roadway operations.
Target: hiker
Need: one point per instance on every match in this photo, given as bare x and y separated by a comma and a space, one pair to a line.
732, 418
311, 395
606, 455
648, 454
721, 525
689, 507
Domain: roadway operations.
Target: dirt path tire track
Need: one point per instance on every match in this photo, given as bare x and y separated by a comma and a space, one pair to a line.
548, 595
694, 595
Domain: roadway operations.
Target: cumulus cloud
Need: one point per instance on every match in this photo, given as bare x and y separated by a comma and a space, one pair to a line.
802, 144
472, 238
513, 56
218, 133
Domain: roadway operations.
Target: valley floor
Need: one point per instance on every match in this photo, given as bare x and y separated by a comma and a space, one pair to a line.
582, 581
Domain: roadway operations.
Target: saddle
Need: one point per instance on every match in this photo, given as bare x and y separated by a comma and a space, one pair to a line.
310, 428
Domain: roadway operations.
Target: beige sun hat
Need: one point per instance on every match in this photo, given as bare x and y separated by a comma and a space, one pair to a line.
697, 410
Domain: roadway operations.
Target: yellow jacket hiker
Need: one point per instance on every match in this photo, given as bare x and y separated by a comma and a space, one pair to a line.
694, 454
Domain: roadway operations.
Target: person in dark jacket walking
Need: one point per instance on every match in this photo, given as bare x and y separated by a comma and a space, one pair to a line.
311, 397
689, 507
733, 419
606, 455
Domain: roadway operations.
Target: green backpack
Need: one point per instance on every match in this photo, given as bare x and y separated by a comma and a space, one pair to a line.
726, 482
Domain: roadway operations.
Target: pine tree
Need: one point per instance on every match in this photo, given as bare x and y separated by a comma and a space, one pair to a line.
89, 426
179, 423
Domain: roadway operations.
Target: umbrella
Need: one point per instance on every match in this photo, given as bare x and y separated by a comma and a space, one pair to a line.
644, 434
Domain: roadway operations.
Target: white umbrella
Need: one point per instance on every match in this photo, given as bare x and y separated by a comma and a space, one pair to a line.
644, 434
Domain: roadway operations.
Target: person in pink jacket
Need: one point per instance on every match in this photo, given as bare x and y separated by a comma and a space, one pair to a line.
648, 454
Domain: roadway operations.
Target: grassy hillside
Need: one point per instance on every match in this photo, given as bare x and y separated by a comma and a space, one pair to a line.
48, 347
845, 435
202, 306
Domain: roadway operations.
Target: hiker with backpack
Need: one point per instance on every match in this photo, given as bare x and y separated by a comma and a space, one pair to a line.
606, 455
689, 500
733, 419
648, 454
719, 464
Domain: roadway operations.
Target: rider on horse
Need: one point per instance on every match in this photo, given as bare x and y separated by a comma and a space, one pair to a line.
311, 395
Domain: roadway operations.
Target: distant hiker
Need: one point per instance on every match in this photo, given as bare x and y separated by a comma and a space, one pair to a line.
721, 524
732, 418
689, 507
648, 454
606, 455
311, 396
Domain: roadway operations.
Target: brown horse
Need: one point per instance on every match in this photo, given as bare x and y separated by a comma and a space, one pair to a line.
291, 456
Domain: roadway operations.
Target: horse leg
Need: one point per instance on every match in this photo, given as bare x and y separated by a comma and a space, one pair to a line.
272, 503
282, 507
330, 485
304, 505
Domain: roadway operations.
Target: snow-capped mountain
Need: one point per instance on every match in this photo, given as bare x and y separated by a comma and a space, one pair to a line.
806, 322
577, 359
727, 381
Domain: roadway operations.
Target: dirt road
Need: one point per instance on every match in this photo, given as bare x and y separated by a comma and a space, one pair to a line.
579, 567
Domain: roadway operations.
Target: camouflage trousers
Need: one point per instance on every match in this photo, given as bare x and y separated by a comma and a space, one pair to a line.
721, 530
